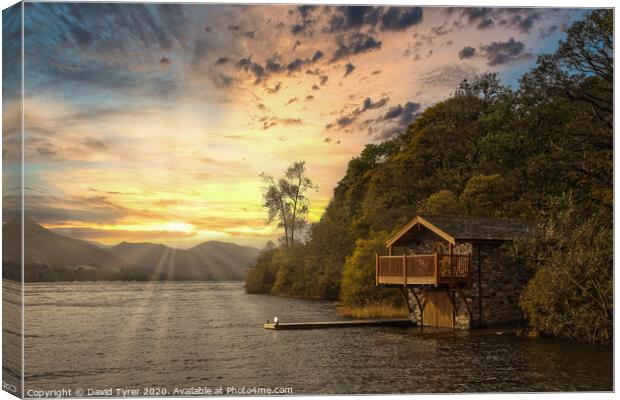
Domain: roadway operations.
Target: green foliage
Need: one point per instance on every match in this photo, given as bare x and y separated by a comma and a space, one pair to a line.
358, 276
488, 150
485, 195
260, 278
571, 294
443, 202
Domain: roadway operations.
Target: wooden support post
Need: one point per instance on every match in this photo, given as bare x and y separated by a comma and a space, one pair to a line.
449, 293
451, 252
436, 270
376, 269
405, 269
479, 287
469, 269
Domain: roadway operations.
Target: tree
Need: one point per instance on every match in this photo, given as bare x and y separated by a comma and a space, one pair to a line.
285, 199
358, 277
582, 67
260, 278
443, 202
485, 195
571, 293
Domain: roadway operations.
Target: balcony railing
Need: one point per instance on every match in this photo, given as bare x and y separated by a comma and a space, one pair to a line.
423, 269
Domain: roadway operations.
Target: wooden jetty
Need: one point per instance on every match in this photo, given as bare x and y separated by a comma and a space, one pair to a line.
338, 324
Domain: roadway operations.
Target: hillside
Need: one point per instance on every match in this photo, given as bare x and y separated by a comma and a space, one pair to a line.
53, 257
213, 261
46, 247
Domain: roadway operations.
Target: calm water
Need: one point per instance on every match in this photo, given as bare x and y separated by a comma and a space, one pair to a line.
134, 335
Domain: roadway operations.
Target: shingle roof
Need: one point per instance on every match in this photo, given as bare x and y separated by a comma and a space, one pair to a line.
467, 228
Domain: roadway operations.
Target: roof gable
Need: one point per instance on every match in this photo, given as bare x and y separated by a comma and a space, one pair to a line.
453, 228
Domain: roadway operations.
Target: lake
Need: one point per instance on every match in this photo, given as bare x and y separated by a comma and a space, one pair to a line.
187, 336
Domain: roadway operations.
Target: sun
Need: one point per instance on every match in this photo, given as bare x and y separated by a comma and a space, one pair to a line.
178, 227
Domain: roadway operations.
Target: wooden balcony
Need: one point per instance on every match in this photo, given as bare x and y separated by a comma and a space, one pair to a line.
423, 269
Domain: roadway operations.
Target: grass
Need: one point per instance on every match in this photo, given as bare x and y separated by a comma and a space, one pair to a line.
373, 311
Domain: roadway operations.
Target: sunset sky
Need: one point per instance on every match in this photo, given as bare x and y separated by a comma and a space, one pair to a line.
153, 122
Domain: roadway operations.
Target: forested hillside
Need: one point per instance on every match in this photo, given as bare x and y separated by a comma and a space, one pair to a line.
541, 151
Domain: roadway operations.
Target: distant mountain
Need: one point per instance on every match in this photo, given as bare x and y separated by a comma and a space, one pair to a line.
100, 245
43, 246
212, 261
50, 256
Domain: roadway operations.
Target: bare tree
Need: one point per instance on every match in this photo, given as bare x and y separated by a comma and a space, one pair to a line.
286, 201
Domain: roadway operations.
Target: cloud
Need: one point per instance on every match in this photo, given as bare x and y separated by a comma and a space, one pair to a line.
348, 119
223, 81
441, 30
273, 64
498, 53
486, 23
476, 15
346, 18
466, 52
253, 68
354, 43
275, 89
345, 120
404, 114
291, 101
304, 21
547, 31
317, 56
523, 19
164, 25
349, 69
398, 118
269, 122
368, 104
81, 77
295, 65
99, 209
87, 233
353, 17
94, 144
401, 18
315, 71
520, 19
446, 76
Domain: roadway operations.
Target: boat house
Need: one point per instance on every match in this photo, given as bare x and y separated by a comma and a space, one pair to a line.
453, 271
